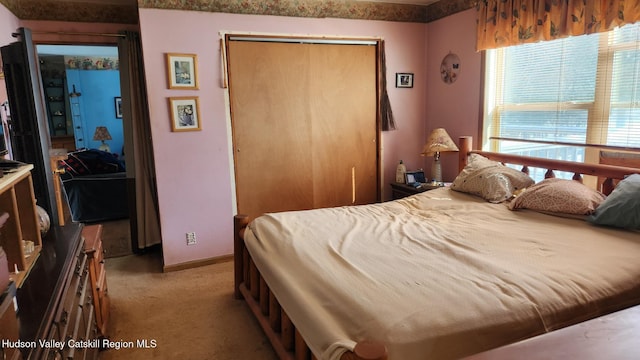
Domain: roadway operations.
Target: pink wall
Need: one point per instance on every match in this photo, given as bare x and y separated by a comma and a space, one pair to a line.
455, 107
193, 168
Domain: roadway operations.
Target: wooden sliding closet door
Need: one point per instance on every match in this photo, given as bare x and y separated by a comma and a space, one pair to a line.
304, 125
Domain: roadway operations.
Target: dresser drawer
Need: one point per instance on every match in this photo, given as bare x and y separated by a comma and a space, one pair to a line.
93, 248
8, 324
73, 297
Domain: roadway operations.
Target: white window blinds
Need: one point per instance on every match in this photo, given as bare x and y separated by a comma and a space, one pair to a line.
550, 99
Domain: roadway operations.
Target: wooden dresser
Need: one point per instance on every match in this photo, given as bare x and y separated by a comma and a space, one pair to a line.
8, 323
59, 287
73, 317
64, 297
92, 235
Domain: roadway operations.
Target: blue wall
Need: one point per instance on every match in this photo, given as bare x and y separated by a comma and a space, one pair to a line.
97, 106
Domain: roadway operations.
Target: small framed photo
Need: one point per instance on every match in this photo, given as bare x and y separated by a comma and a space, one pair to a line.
404, 80
182, 71
185, 113
413, 177
118, 104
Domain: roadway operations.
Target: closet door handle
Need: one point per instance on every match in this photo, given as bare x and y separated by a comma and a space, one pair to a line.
353, 185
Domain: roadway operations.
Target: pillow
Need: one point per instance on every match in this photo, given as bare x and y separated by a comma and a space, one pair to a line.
490, 180
74, 165
92, 161
559, 196
622, 206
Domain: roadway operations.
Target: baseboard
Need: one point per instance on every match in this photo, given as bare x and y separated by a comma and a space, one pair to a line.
197, 263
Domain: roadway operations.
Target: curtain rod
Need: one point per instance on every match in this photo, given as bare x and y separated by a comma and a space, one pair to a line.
75, 33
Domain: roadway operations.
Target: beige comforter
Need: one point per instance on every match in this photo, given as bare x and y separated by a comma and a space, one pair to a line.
439, 275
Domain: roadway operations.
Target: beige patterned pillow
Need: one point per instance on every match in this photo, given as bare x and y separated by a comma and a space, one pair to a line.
559, 196
489, 179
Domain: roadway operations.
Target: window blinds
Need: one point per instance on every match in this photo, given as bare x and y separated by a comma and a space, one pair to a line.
541, 98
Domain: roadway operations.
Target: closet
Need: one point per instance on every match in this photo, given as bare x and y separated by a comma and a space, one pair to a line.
305, 125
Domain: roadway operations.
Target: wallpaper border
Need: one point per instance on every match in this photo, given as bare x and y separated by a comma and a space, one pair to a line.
444, 8
72, 11
128, 14
345, 9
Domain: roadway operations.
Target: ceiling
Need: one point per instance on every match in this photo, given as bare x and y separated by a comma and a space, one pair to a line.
126, 11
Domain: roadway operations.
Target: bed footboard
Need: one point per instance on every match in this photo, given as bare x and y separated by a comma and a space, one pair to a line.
281, 332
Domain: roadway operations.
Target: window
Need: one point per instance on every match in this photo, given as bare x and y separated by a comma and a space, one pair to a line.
550, 99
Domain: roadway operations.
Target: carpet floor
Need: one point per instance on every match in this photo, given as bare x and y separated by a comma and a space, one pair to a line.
116, 238
189, 314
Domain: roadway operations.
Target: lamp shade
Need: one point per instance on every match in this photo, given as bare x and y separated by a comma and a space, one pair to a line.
438, 141
101, 134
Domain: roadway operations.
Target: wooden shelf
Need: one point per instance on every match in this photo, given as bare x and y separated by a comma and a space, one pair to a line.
17, 199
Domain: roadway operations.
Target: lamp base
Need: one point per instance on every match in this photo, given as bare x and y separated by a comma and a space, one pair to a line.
104, 147
436, 169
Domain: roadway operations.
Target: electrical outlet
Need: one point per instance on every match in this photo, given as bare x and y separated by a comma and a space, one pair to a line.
191, 238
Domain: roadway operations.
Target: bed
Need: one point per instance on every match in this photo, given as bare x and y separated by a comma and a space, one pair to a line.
441, 274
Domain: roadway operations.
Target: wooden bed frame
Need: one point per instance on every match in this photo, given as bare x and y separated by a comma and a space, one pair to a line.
281, 332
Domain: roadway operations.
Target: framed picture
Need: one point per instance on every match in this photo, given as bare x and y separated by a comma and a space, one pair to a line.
185, 113
118, 104
404, 80
182, 71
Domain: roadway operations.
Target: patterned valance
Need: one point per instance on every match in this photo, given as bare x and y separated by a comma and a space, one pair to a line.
512, 22
91, 63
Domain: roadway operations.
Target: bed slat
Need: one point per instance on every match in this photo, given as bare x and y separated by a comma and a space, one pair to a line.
245, 268
274, 313
254, 280
288, 331
240, 223
302, 352
549, 174
264, 297
608, 185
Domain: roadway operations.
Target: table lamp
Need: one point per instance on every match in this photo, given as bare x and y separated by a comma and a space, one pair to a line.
439, 141
102, 134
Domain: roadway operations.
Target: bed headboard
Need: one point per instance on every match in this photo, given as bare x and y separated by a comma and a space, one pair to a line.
608, 172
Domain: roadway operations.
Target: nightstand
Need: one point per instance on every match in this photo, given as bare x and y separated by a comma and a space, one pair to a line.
398, 191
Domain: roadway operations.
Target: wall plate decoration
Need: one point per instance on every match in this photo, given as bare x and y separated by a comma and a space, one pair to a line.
450, 68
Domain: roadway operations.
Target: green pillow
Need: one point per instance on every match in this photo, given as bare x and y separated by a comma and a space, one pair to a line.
622, 207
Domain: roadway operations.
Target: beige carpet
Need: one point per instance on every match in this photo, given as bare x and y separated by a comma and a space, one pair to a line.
116, 238
191, 314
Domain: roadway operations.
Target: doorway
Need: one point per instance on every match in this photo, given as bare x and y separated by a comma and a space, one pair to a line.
82, 103
81, 87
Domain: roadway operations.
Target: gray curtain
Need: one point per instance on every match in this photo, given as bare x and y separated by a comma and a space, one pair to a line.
138, 149
386, 114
